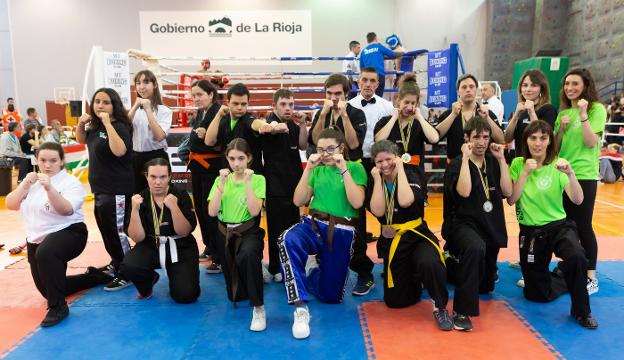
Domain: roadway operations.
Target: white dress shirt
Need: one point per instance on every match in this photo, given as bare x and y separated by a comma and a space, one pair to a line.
352, 65
142, 135
497, 108
40, 218
373, 112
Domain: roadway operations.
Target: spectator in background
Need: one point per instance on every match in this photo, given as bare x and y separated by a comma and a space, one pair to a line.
616, 116
611, 164
353, 66
373, 56
488, 94
57, 130
10, 148
10, 114
32, 118
29, 142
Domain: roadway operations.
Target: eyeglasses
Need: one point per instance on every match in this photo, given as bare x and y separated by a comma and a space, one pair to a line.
330, 150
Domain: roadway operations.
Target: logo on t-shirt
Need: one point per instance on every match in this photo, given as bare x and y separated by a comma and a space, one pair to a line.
103, 135
576, 124
544, 182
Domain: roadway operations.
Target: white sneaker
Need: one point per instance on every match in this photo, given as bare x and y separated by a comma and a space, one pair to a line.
301, 325
278, 278
592, 286
258, 322
520, 282
266, 275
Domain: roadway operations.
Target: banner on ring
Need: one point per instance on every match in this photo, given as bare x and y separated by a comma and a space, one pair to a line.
226, 33
439, 78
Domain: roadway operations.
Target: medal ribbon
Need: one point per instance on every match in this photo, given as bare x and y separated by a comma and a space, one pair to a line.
157, 220
484, 179
403, 136
389, 201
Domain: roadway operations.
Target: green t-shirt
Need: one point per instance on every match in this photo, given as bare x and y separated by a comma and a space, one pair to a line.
584, 160
233, 207
541, 201
329, 190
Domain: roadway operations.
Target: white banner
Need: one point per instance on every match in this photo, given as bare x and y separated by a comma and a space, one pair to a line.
117, 74
240, 34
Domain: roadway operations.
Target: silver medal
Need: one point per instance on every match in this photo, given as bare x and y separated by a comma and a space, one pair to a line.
488, 206
406, 157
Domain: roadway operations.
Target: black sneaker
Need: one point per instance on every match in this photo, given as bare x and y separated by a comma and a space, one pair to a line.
364, 285
117, 284
213, 268
461, 322
55, 315
108, 269
587, 322
149, 296
443, 319
99, 276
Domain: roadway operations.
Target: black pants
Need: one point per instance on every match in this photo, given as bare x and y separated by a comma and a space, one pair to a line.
139, 264
582, 215
360, 262
281, 214
474, 269
202, 180
382, 85
248, 261
48, 264
112, 215
537, 244
23, 165
138, 163
416, 261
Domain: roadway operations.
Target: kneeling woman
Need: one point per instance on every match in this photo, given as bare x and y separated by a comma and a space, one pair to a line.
338, 187
161, 222
411, 252
236, 198
539, 180
51, 206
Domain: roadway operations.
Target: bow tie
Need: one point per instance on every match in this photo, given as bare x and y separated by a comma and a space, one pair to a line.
366, 102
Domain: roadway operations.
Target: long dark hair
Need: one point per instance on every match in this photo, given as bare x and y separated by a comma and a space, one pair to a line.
207, 87
338, 136
539, 126
119, 112
156, 98
537, 77
589, 88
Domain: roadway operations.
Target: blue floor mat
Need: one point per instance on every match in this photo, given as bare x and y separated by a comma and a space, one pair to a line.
116, 325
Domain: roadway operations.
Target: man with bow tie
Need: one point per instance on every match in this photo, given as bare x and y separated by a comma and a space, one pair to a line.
374, 108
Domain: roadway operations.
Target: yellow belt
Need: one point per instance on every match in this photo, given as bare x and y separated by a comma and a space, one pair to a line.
402, 229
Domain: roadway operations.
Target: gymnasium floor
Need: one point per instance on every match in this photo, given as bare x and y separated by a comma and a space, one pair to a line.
116, 325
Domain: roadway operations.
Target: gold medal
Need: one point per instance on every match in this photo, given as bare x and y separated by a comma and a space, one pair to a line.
388, 232
406, 158
488, 206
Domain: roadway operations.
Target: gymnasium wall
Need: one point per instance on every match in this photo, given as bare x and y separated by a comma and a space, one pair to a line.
52, 39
